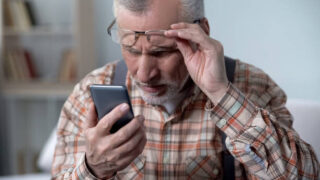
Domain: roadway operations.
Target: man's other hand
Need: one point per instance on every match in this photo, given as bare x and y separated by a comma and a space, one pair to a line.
108, 153
203, 57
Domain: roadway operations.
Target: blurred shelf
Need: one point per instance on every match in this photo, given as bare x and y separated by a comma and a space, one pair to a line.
37, 90
38, 31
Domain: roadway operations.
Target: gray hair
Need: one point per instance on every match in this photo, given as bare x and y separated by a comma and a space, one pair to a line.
190, 10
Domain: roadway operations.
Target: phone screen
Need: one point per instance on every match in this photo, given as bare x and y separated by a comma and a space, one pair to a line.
106, 98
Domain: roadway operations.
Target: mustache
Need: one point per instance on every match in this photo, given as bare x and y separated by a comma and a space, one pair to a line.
158, 83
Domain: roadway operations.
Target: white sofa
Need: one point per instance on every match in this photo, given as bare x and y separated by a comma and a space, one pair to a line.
306, 115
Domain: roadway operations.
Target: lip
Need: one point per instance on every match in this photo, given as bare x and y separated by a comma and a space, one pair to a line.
153, 89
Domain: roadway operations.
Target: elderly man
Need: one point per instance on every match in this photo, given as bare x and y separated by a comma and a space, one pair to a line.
184, 103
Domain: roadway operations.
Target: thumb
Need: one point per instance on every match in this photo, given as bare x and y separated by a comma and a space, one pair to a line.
91, 117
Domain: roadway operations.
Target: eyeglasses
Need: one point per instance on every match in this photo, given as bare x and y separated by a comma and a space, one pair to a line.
129, 38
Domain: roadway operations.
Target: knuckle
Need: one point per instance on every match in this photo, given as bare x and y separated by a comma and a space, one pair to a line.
142, 145
203, 37
90, 136
220, 48
144, 142
140, 149
130, 145
219, 45
106, 123
136, 124
114, 157
183, 24
144, 137
198, 27
100, 150
108, 146
121, 135
87, 133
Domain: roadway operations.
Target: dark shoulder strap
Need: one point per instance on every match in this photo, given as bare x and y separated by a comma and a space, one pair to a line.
120, 73
230, 67
228, 159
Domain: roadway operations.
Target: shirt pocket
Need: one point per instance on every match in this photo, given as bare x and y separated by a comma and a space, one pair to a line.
202, 167
134, 171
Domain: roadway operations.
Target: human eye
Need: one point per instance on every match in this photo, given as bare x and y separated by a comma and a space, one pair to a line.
163, 52
160, 53
132, 51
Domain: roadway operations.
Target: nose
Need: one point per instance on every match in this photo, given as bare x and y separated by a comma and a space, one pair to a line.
147, 69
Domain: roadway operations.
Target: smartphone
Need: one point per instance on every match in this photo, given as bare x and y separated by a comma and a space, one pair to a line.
106, 98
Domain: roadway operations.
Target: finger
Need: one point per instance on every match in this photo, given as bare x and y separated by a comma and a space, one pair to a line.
193, 35
185, 48
132, 143
91, 120
108, 120
128, 131
128, 158
183, 25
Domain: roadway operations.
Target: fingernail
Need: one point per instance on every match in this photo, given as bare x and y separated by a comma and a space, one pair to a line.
124, 107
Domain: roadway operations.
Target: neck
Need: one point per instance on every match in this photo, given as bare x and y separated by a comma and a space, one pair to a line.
172, 104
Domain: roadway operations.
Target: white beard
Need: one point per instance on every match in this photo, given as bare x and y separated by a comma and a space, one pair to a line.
173, 92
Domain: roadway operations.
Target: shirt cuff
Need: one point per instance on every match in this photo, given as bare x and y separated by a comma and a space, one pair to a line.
233, 112
85, 172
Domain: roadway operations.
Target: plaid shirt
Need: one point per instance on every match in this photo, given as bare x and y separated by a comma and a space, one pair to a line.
188, 144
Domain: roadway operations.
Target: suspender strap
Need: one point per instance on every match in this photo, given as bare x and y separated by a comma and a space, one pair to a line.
228, 159
230, 68
120, 73
119, 78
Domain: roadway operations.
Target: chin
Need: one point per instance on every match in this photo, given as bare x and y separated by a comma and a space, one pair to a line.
155, 99
168, 91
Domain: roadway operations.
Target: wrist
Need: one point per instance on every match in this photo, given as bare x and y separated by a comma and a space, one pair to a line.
216, 96
97, 175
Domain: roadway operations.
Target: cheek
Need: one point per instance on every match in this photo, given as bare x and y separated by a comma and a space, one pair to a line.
131, 63
174, 68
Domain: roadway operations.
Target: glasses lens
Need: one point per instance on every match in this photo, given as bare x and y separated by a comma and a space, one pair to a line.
158, 39
129, 38
115, 35
123, 37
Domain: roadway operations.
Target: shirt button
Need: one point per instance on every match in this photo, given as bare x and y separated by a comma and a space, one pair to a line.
221, 123
216, 171
166, 158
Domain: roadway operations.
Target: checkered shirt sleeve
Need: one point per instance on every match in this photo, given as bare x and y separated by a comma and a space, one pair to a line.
69, 157
259, 129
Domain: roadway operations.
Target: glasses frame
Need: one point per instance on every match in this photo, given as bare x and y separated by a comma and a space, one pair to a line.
142, 33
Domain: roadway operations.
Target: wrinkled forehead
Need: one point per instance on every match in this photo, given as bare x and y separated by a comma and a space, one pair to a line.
160, 15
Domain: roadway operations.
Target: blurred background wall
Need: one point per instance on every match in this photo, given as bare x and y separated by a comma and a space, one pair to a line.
280, 37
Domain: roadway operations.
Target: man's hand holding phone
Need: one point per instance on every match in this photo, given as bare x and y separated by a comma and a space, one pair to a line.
108, 153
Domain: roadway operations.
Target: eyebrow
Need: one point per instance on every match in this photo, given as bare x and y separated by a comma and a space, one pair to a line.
163, 48
156, 49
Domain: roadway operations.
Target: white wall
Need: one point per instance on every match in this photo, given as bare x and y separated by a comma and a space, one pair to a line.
281, 37
106, 50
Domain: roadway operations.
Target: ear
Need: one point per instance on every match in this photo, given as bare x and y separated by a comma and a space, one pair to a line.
204, 23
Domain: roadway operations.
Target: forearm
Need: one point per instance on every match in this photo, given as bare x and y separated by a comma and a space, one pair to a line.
256, 139
69, 162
